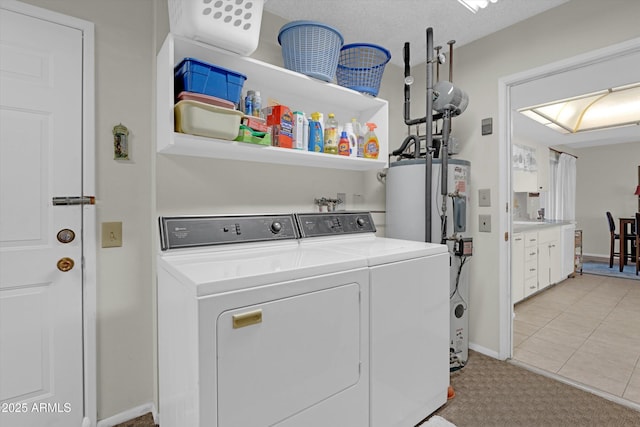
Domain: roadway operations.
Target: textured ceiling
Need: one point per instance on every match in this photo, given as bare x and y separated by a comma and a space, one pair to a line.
391, 23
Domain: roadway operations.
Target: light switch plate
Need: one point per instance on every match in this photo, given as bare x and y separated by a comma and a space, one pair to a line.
485, 223
111, 234
484, 197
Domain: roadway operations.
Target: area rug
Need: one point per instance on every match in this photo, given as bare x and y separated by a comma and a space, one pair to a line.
602, 269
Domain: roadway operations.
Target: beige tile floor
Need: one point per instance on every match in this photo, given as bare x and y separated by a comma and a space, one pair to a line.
586, 329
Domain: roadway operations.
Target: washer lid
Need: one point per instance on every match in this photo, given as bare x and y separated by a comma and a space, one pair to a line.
377, 250
242, 266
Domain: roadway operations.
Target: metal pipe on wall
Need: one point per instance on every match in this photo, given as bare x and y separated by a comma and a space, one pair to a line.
428, 169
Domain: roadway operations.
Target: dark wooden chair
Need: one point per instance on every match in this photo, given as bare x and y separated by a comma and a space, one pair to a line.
615, 236
637, 254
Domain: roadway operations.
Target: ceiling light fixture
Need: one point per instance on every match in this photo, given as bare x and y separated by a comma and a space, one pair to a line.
475, 5
604, 109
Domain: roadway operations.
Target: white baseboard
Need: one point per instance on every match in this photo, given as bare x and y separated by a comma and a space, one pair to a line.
130, 414
484, 350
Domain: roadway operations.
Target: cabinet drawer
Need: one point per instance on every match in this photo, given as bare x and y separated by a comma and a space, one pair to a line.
530, 239
531, 254
530, 286
531, 269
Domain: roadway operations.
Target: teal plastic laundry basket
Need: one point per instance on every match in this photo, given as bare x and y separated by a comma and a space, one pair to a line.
311, 48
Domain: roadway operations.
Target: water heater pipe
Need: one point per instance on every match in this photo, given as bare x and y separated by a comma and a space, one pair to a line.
428, 169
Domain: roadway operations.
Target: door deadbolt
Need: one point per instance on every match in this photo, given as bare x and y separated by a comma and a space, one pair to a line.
66, 236
65, 264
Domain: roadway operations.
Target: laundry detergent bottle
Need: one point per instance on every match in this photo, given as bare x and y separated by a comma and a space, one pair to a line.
316, 137
353, 140
343, 145
371, 144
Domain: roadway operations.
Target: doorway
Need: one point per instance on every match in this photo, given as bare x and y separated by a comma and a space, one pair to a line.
563, 79
47, 232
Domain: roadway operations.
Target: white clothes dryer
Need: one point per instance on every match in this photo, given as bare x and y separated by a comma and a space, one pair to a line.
409, 314
255, 330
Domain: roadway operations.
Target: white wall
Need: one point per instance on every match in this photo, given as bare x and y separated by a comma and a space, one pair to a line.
606, 179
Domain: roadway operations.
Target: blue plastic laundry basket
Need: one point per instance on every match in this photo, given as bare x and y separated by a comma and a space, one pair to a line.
360, 67
311, 48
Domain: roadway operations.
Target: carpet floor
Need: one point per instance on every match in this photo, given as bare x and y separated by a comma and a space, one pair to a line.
490, 392
142, 421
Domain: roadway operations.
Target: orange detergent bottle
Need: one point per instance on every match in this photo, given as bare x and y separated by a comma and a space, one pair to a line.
371, 144
344, 148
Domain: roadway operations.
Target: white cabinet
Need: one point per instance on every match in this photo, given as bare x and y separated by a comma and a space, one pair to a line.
534, 181
549, 257
530, 263
517, 267
543, 168
295, 90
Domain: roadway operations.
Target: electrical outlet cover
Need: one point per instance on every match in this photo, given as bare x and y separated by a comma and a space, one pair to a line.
484, 223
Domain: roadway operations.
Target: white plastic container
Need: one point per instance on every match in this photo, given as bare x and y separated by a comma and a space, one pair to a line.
232, 25
199, 118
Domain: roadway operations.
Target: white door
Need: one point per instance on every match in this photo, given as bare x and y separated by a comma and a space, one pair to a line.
41, 347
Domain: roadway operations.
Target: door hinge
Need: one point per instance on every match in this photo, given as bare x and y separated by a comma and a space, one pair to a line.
506, 236
72, 200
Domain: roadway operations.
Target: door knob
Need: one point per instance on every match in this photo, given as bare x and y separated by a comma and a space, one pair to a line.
65, 264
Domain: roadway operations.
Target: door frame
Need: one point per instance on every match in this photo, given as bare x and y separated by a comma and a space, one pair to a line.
505, 170
89, 230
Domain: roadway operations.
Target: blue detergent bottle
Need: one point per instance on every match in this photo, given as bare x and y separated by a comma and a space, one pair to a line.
316, 136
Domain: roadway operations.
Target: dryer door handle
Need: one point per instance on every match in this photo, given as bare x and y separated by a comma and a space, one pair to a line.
247, 319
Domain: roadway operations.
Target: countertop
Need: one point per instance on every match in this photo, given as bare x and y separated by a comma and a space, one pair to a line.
533, 225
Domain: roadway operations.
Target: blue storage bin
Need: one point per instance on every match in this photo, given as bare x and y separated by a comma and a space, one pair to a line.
193, 75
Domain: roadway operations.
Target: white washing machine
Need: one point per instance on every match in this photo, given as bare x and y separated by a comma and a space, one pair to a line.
409, 314
255, 330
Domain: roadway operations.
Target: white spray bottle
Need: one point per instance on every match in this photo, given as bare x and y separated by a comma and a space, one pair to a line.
353, 139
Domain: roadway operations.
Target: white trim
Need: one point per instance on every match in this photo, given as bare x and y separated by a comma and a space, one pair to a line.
484, 350
89, 235
129, 415
504, 140
612, 397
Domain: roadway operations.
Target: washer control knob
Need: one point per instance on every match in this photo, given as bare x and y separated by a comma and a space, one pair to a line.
360, 222
276, 227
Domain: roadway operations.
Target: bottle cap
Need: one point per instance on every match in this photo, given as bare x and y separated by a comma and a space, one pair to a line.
343, 135
315, 116
371, 126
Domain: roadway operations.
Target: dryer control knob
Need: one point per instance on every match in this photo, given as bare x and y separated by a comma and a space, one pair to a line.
360, 222
276, 227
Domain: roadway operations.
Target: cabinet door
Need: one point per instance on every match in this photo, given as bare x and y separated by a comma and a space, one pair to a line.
544, 265
517, 268
525, 182
543, 168
555, 262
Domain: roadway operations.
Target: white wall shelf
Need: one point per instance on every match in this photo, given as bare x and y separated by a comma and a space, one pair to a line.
297, 91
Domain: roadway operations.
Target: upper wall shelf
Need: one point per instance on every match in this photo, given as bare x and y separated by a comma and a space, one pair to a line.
295, 90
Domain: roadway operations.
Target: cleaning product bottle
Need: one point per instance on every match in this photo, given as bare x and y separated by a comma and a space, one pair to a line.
353, 140
257, 104
331, 135
344, 148
305, 132
316, 138
371, 144
357, 128
248, 103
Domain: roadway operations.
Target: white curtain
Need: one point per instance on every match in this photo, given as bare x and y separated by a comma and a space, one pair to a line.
563, 189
